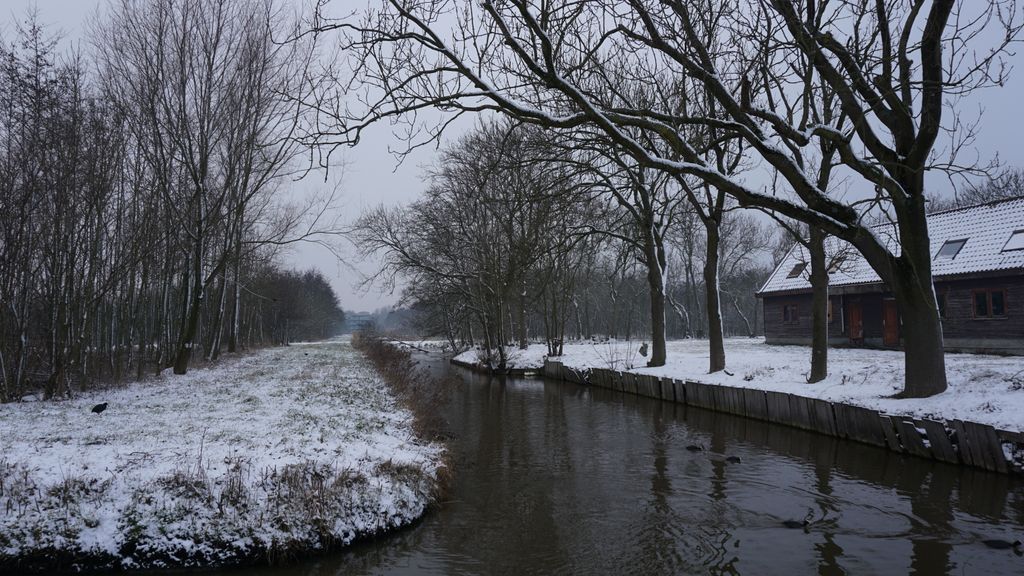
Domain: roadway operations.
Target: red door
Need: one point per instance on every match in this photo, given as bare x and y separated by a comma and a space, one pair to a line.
856, 322
890, 323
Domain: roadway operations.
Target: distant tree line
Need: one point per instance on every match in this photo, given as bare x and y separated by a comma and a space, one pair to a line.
1007, 183
288, 306
140, 226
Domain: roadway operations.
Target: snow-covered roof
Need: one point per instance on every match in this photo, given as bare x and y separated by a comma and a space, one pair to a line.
992, 233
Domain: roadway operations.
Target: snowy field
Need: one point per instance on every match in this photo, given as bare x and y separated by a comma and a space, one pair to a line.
263, 456
983, 389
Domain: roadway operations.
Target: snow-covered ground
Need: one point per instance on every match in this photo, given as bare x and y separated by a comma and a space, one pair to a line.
983, 389
281, 451
423, 345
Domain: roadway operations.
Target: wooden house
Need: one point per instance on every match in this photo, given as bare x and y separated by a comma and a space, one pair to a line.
978, 270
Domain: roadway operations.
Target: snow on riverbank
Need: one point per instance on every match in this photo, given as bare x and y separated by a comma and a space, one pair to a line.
423, 345
281, 451
984, 389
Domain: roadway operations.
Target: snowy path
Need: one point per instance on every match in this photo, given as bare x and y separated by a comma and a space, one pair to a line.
983, 389
277, 452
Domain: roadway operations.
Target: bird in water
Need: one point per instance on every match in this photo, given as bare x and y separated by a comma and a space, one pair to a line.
695, 448
1003, 545
99, 408
793, 524
733, 459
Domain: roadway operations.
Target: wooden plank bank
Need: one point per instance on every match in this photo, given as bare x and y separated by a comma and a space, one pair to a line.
955, 441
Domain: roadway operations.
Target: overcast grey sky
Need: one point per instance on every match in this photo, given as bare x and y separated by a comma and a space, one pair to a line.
370, 177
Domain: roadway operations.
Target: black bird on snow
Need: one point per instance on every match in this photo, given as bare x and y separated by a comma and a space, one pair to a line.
733, 459
1003, 545
99, 408
643, 350
695, 448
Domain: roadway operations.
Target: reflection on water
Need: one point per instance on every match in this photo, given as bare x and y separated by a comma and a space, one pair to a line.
558, 478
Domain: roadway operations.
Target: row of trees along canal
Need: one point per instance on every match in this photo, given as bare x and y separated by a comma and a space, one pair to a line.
676, 108
137, 192
521, 234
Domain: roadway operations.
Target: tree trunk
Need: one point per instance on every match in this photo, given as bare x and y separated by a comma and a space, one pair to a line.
521, 334
188, 331
713, 297
213, 352
924, 358
819, 307
743, 317
191, 323
655, 255
236, 289
909, 275
911, 283
684, 317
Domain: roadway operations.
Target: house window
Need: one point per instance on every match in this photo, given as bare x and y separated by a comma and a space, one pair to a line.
830, 318
950, 249
942, 297
990, 303
837, 262
790, 314
797, 270
1016, 241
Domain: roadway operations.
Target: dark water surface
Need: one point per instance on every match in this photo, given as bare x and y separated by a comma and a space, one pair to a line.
556, 478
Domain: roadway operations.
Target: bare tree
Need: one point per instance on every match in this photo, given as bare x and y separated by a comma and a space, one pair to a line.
479, 242
1006, 184
647, 201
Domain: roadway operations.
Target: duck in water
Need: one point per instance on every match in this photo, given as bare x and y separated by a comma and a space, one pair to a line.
793, 524
1004, 545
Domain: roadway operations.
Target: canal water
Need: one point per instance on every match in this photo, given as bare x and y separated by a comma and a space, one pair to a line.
558, 478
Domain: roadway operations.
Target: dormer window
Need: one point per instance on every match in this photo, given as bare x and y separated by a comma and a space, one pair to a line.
837, 262
797, 270
950, 249
1016, 241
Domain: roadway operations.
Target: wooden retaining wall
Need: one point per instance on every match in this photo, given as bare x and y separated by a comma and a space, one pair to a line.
956, 441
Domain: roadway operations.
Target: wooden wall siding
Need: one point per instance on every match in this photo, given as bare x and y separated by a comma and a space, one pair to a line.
959, 325
960, 321
955, 442
837, 327
872, 307
775, 327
